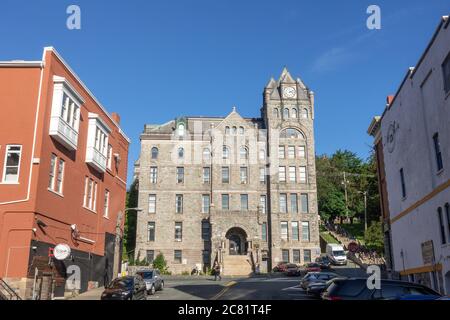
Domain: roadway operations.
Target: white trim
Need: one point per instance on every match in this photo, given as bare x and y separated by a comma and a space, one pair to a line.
21, 64
18, 166
51, 49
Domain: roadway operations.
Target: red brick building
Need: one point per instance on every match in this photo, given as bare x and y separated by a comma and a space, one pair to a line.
63, 172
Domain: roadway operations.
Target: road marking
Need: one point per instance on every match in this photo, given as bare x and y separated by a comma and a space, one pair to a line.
298, 288
224, 290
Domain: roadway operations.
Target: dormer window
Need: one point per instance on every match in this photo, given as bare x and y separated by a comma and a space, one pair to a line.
181, 129
65, 114
97, 144
234, 130
227, 131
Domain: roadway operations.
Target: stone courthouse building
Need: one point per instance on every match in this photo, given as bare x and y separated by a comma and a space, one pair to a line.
240, 191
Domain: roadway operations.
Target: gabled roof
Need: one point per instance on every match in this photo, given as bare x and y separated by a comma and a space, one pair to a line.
286, 77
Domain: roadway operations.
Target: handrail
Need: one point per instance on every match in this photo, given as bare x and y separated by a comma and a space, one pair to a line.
10, 291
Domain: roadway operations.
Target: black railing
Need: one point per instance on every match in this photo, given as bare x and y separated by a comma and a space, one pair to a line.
6, 292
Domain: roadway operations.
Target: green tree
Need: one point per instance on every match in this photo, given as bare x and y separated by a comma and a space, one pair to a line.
374, 238
160, 263
129, 239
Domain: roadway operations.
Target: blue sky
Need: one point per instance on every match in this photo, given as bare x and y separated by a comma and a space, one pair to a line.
152, 61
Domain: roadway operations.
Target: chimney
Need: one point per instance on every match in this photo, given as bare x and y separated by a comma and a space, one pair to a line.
389, 100
115, 116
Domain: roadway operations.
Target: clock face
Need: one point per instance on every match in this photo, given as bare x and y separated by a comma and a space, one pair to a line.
289, 92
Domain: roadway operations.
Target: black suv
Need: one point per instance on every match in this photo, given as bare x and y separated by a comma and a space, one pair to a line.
356, 289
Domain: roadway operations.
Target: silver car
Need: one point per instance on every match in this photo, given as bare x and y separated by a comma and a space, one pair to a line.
153, 280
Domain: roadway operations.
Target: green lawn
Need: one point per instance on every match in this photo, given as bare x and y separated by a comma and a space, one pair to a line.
328, 237
356, 230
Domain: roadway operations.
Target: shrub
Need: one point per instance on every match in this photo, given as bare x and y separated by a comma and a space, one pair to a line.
160, 263
374, 238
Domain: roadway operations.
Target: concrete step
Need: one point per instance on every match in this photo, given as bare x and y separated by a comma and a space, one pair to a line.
237, 266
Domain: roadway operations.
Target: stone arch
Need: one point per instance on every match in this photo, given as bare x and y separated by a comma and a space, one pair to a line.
237, 241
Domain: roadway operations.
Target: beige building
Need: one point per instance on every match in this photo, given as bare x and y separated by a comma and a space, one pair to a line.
240, 191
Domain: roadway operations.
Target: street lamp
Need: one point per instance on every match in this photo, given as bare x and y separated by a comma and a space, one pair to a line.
365, 208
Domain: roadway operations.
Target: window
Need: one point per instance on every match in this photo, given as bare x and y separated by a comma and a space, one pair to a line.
281, 152
304, 203
294, 113
12, 164
153, 175
446, 73
206, 175
283, 203
225, 175
180, 153
244, 175
152, 203
106, 204
97, 143
150, 256
264, 231
243, 153
262, 154
244, 202
292, 174
291, 133
402, 181
441, 226
304, 114
241, 131
90, 194
51, 182
206, 257
285, 255
296, 256
206, 154
276, 113
306, 256
206, 229
181, 129
109, 156
177, 256
180, 174
225, 202
294, 227
282, 174
262, 203
234, 131
291, 152
154, 153
447, 213
294, 203
305, 231
225, 153
60, 176
302, 152
284, 230
227, 130
70, 112
205, 203
285, 113
302, 173
179, 203
262, 175
151, 232
437, 151
178, 231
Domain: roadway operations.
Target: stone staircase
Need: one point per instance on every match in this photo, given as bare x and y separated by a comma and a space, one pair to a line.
237, 265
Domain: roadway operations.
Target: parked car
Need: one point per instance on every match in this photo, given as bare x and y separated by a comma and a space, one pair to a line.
280, 267
153, 280
316, 288
357, 289
324, 262
292, 270
312, 267
312, 277
125, 288
336, 254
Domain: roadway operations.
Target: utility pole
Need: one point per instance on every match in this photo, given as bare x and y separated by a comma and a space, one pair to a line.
365, 209
346, 195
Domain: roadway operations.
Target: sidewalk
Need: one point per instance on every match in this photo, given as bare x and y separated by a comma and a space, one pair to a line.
93, 294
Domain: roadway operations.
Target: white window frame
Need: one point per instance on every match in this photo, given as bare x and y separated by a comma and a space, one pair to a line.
305, 226
263, 203
302, 152
281, 174
284, 230
283, 204
292, 174
281, 152
109, 156
153, 175
206, 177
303, 174
296, 234
59, 181
178, 203
16, 180
52, 173
291, 152
106, 204
206, 203
178, 231
152, 203
243, 175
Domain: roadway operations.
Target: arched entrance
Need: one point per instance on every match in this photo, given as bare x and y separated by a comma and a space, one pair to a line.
237, 241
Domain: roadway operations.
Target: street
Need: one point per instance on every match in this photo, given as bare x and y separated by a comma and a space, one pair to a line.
254, 288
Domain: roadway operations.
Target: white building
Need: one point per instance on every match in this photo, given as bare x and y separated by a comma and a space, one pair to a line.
412, 142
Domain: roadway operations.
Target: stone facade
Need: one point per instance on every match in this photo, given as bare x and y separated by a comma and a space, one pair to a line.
213, 228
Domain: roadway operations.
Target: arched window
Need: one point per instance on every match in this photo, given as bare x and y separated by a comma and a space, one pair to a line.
225, 152
276, 114
180, 153
262, 154
181, 129
305, 113
241, 131
286, 113
294, 113
234, 130
243, 152
291, 133
206, 154
154, 153
227, 130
